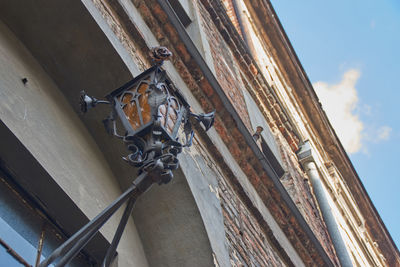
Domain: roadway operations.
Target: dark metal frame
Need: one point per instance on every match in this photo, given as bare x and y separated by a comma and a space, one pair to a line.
153, 150
156, 78
67, 251
151, 143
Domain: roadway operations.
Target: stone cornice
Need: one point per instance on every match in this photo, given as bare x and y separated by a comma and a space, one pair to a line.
293, 72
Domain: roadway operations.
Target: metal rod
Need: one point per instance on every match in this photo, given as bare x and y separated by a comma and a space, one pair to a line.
102, 217
139, 108
102, 102
178, 122
14, 254
82, 243
79, 246
89, 228
117, 237
166, 116
40, 246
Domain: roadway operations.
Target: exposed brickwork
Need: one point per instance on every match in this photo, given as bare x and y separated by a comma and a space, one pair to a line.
223, 23
225, 125
268, 22
235, 143
226, 67
294, 179
248, 244
230, 10
117, 21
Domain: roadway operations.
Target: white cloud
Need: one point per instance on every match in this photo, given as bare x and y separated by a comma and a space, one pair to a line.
340, 104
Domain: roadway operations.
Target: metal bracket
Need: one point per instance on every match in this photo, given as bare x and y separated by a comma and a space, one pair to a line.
70, 248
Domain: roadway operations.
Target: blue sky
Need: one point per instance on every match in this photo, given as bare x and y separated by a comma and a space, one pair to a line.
350, 51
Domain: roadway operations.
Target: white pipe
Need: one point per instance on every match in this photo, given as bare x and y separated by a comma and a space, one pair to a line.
306, 159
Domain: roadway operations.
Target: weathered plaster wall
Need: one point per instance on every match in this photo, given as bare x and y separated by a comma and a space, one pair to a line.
201, 175
39, 109
39, 116
134, 55
171, 226
294, 180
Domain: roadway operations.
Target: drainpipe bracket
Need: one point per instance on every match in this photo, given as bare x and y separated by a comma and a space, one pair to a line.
305, 154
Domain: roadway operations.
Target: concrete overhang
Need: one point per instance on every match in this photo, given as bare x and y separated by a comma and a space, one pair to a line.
74, 50
53, 201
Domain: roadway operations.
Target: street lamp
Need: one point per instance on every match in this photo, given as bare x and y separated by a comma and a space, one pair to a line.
152, 112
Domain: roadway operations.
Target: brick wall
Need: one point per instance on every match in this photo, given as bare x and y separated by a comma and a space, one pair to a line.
248, 244
226, 66
228, 71
230, 10
247, 236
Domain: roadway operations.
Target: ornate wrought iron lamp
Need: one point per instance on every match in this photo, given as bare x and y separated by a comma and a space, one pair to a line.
152, 113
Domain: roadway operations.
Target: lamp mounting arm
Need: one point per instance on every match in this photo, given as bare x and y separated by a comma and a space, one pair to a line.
87, 102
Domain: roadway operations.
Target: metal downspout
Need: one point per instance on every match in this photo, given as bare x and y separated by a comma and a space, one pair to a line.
308, 163
244, 27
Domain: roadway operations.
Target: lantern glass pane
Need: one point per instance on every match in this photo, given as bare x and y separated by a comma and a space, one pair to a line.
135, 105
172, 115
168, 114
143, 102
162, 113
130, 110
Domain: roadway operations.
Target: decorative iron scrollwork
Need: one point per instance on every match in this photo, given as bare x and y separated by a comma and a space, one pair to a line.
151, 112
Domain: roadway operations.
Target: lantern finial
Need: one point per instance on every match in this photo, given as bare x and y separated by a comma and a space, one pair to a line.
159, 54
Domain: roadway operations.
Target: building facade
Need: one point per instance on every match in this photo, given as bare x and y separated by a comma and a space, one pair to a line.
287, 196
